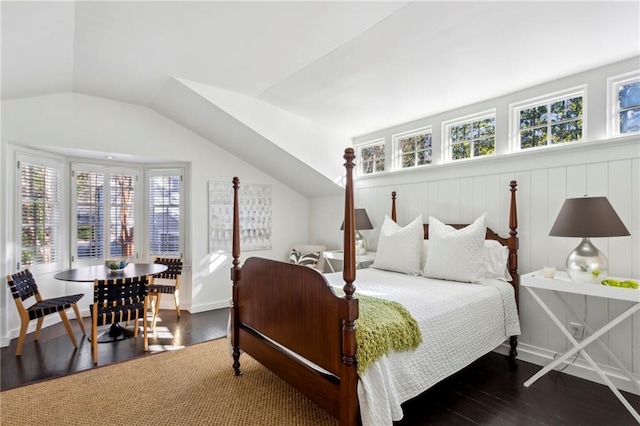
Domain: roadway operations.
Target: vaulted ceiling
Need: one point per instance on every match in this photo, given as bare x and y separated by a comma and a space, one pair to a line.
347, 67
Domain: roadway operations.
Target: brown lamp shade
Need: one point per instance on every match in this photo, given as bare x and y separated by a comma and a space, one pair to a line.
362, 220
588, 217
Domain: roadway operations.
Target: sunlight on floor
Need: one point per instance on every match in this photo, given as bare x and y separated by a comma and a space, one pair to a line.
163, 348
161, 333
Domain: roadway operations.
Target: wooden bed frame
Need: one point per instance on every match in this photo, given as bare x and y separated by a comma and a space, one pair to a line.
279, 309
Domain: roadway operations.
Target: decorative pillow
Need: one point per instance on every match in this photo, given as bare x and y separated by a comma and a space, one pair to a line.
495, 257
306, 259
456, 254
399, 249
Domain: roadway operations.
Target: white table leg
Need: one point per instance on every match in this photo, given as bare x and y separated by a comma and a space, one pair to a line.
604, 347
330, 265
580, 347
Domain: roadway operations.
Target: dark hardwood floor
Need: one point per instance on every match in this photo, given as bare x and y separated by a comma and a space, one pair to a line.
488, 392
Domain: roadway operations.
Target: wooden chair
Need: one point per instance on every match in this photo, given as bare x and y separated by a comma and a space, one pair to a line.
116, 300
170, 285
23, 286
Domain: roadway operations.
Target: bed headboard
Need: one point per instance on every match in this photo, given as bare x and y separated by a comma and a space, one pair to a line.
511, 242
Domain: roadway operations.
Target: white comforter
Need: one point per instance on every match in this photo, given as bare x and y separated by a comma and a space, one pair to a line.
459, 322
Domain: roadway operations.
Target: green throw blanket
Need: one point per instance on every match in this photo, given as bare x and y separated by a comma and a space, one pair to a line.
383, 326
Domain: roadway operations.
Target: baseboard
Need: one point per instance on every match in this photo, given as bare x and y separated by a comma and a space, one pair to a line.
580, 368
209, 306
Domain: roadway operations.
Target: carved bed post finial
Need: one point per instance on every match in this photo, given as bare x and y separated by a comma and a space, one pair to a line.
393, 206
349, 259
235, 278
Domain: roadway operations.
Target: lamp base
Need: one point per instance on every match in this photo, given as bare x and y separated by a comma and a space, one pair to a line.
587, 264
361, 244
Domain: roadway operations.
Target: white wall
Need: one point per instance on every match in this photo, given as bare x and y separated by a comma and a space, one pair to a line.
89, 123
460, 192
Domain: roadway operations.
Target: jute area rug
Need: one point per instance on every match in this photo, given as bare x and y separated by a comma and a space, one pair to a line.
190, 386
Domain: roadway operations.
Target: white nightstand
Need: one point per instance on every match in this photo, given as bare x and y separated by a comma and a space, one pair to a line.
339, 255
561, 283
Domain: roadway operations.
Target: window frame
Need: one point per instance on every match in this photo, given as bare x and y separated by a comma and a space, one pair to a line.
53, 162
107, 171
397, 149
157, 172
515, 144
468, 119
359, 161
613, 111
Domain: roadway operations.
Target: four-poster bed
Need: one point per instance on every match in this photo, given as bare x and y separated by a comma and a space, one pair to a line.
290, 318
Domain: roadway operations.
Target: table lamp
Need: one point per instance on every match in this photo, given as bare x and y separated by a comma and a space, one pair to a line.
362, 222
584, 218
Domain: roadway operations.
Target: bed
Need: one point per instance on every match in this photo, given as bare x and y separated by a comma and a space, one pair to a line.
299, 324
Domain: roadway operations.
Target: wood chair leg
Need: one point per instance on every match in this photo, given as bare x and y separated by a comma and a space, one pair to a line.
23, 334
152, 302
36, 335
94, 338
176, 297
79, 318
157, 310
144, 329
135, 328
67, 325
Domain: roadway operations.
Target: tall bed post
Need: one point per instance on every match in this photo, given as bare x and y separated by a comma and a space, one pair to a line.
512, 244
235, 278
349, 377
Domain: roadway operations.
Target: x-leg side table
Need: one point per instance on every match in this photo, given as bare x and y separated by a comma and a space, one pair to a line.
557, 286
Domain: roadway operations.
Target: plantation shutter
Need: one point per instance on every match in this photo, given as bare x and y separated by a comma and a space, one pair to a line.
39, 212
122, 209
165, 187
90, 215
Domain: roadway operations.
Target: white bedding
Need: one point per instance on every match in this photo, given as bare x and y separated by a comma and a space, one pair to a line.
459, 322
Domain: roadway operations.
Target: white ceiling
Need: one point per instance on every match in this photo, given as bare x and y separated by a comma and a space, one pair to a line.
349, 66
354, 67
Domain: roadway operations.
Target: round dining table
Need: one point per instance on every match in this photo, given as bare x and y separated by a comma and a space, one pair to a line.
100, 272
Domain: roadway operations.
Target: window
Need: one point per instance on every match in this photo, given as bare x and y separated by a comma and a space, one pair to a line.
551, 120
623, 102
413, 148
39, 215
165, 187
89, 214
104, 202
372, 157
470, 137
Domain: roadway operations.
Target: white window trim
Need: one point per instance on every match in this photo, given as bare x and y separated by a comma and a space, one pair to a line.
138, 219
52, 161
164, 171
515, 108
446, 133
359, 147
396, 154
613, 118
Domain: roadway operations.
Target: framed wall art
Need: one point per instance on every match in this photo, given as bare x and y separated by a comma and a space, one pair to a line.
255, 216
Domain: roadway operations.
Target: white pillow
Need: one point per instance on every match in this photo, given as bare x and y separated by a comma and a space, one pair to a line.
456, 254
495, 257
400, 249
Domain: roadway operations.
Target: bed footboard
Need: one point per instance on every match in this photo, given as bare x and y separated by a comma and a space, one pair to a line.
286, 312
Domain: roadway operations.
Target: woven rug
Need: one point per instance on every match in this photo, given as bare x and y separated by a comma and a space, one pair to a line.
190, 386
